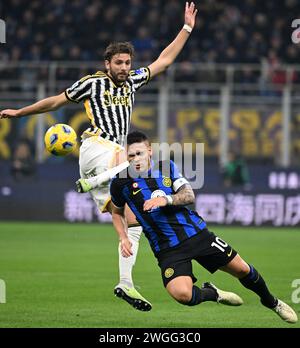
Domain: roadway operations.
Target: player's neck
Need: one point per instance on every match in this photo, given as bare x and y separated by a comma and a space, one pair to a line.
117, 83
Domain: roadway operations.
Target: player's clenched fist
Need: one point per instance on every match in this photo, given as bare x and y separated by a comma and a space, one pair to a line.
8, 113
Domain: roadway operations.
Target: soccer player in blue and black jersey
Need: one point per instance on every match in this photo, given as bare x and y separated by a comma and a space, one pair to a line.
158, 194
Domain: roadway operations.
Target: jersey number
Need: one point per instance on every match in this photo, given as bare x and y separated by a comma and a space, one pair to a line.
220, 244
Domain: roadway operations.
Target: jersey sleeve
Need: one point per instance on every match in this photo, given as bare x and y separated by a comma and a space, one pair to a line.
139, 77
177, 179
80, 90
116, 194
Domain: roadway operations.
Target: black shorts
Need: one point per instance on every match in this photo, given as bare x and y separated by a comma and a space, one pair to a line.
206, 248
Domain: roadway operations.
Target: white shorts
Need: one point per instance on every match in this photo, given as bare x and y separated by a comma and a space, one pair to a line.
96, 155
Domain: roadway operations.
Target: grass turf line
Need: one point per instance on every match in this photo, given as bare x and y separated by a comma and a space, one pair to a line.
63, 275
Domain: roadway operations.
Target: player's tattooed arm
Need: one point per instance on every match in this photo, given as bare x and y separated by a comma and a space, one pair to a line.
184, 196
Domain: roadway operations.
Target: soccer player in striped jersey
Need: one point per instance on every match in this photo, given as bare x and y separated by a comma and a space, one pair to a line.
157, 194
108, 98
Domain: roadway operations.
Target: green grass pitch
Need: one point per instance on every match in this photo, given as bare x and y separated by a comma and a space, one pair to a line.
63, 275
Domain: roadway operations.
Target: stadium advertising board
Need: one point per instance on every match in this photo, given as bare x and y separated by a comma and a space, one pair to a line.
257, 131
52, 201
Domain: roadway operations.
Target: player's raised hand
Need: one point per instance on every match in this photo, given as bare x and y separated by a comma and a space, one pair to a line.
190, 14
9, 113
126, 245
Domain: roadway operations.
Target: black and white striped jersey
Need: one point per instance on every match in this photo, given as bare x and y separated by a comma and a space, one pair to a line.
108, 106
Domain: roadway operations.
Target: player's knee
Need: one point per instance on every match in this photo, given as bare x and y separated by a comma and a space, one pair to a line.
238, 267
243, 270
183, 296
241, 274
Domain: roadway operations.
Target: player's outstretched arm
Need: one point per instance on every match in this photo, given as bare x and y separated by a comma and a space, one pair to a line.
169, 54
44, 105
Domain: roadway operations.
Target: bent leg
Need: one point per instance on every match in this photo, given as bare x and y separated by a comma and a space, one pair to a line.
183, 291
180, 288
250, 279
116, 162
237, 267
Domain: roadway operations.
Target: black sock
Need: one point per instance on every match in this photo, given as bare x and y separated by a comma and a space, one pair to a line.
255, 282
202, 295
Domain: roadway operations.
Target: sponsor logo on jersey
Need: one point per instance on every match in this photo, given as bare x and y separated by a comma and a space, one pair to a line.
110, 100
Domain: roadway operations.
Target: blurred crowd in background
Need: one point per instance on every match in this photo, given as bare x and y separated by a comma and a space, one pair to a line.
78, 31
230, 31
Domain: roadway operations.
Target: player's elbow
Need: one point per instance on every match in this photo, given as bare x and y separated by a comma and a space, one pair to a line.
190, 196
117, 216
192, 201
166, 63
58, 100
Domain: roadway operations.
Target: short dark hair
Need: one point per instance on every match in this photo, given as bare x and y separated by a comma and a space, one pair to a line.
118, 47
137, 137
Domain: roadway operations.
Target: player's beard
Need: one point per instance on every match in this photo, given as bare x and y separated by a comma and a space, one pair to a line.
119, 77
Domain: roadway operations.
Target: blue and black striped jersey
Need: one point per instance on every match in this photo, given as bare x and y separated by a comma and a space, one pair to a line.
165, 227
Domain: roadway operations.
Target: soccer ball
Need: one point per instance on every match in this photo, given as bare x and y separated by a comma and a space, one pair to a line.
60, 139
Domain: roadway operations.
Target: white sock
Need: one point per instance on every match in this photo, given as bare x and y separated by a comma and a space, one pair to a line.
98, 180
126, 263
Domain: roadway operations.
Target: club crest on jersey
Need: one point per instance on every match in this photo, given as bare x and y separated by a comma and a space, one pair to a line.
167, 182
169, 272
158, 193
135, 185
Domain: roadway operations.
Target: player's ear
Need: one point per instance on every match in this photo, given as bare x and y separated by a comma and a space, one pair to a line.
150, 150
107, 64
